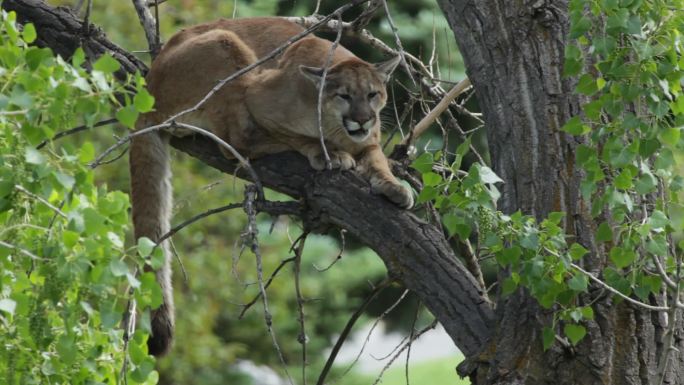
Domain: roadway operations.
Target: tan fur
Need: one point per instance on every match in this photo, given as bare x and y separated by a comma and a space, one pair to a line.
268, 110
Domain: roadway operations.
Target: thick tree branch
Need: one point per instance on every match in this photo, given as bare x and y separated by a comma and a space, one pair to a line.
414, 251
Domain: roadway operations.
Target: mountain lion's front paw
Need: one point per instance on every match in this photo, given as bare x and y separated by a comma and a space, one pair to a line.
338, 159
396, 192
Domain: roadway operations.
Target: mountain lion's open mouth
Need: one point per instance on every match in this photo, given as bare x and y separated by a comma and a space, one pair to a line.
355, 130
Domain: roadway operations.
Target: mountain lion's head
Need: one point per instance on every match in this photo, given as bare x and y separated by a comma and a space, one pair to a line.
354, 94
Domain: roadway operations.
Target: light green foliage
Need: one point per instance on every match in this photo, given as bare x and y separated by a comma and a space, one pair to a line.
65, 269
632, 122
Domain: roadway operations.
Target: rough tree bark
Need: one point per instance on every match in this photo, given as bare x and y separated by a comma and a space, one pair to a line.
513, 51
415, 252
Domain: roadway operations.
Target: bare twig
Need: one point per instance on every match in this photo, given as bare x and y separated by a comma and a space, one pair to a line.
347, 329
196, 218
117, 157
301, 338
404, 347
425, 123
397, 40
20, 250
246, 306
618, 293
370, 332
251, 239
128, 326
41, 200
367, 15
411, 336
173, 124
180, 261
149, 25
150, 3
75, 130
366, 37
321, 90
86, 18
337, 258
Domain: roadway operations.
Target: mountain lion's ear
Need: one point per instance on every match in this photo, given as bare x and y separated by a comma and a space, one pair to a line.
312, 73
387, 67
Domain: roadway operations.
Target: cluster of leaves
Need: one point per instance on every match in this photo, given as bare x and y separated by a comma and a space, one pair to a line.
631, 123
536, 254
65, 273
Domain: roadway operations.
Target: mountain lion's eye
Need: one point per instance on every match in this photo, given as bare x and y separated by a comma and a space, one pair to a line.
373, 94
344, 96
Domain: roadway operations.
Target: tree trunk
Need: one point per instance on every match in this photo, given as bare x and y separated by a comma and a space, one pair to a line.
514, 52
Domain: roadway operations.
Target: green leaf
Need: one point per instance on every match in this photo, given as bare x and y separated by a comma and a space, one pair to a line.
29, 34
34, 156
575, 333
587, 85
580, 27
428, 193
145, 246
577, 251
106, 64
127, 116
8, 305
548, 336
143, 371
622, 257
575, 127
423, 163
670, 135
604, 233
66, 347
530, 241
508, 286
118, 267
658, 219
431, 179
143, 101
624, 180
578, 282
488, 176
157, 260
509, 255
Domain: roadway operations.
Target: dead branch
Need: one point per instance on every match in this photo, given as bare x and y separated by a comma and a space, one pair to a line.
251, 303
75, 130
370, 332
443, 104
414, 336
321, 90
302, 338
348, 327
149, 25
251, 238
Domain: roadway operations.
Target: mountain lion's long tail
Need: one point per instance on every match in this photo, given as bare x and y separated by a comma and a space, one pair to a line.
151, 201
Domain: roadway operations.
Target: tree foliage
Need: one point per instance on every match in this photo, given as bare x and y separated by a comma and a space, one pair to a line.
66, 271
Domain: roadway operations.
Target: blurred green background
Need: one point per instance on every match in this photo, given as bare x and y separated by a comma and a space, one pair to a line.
220, 278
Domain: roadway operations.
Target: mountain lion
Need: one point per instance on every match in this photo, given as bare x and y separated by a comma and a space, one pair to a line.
268, 110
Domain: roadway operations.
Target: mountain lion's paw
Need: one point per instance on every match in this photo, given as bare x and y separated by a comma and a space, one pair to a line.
344, 160
338, 159
395, 192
